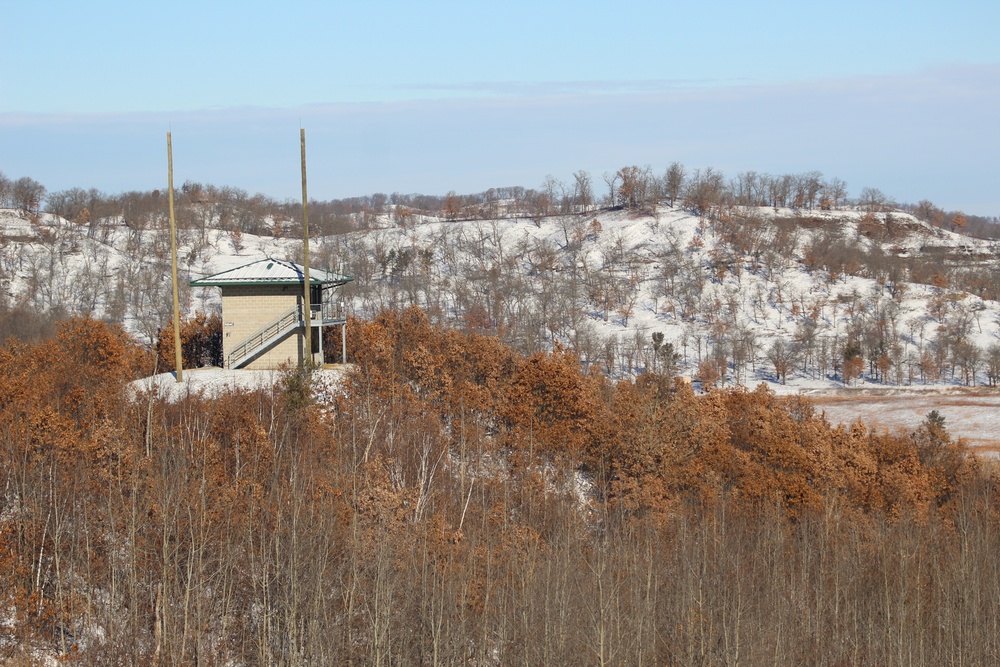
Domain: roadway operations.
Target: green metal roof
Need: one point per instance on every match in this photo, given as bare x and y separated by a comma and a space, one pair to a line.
271, 271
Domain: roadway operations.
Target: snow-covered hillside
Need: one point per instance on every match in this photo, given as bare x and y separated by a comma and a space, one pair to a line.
754, 293
604, 283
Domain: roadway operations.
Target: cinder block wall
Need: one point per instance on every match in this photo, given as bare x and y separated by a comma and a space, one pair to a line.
247, 308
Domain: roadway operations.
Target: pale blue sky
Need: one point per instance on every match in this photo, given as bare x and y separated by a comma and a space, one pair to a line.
437, 96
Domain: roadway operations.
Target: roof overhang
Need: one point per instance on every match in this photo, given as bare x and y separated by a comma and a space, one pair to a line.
271, 271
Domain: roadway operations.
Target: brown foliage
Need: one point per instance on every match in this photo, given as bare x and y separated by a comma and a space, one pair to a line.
383, 526
549, 405
201, 342
61, 429
668, 448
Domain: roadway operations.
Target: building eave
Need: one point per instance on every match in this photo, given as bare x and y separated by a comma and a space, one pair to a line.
270, 271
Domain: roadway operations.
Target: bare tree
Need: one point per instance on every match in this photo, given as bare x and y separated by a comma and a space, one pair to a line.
583, 190
993, 364
551, 188
705, 191
5, 190
873, 200
27, 195
835, 191
812, 184
79, 205
780, 190
673, 182
928, 212
635, 190
780, 356
452, 206
749, 189
611, 180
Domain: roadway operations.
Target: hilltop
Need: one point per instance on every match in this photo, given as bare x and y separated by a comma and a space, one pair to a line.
753, 294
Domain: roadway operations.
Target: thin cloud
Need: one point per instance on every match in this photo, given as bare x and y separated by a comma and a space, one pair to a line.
545, 88
957, 82
925, 134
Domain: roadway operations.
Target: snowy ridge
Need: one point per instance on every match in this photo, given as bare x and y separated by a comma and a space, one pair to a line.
602, 282
677, 274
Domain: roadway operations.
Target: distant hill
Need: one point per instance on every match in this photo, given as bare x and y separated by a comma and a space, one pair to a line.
740, 295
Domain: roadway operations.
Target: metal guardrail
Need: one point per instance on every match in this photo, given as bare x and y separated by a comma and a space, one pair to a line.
327, 311
258, 340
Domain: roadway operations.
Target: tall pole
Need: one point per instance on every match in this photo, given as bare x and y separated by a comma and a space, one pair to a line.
178, 363
305, 247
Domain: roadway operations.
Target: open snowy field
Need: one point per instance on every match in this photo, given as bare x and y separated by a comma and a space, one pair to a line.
211, 382
972, 414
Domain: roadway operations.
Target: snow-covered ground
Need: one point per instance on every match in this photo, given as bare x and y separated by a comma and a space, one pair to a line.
973, 415
759, 300
122, 274
212, 382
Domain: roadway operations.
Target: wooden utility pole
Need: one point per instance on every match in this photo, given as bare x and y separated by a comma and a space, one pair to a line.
178, 359
305, 247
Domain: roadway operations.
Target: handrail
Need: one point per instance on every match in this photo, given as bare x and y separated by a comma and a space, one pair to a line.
328, 310
288, 321
266, 334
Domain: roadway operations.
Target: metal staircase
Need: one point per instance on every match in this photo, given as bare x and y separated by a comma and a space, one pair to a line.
264, 337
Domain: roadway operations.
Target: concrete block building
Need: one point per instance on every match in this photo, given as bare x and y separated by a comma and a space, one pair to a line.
263, 324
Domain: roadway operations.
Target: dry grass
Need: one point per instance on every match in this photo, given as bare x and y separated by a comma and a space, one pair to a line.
970, 413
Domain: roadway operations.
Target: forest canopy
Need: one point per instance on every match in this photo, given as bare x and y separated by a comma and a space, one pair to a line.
459, 502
